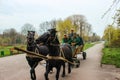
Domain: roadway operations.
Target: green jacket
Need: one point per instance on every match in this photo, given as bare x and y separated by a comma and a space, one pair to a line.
80, 41
65, 40
69, 40
76, 41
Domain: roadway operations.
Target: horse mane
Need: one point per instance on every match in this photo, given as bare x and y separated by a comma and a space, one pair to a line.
50, 40
43, 38
54, 47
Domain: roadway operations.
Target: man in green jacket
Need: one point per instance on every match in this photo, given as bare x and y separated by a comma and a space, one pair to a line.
79, 45
75, 41
65, 39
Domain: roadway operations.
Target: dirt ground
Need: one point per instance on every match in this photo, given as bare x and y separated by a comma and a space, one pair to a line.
16, 68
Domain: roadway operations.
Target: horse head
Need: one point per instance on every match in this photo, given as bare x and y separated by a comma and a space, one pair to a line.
30, 37
30, 40
52, 34
53, 43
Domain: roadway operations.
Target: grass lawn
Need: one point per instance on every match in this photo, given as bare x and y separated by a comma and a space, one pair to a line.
111, 56
9, 50
5, 51
88, 45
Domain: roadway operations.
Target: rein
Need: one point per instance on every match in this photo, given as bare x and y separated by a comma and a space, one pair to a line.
33, 54
59, 58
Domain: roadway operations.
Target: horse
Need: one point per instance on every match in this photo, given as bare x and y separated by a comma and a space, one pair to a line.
66, 52
51, 41
33, 47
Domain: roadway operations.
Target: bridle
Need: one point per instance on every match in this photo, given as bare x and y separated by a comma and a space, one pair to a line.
51, 38
30, 40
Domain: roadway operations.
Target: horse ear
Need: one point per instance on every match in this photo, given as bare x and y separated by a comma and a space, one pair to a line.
34, 32
28, 31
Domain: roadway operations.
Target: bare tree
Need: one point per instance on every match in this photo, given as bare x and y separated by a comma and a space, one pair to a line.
27, 27
9, 36
78, 21
43, 27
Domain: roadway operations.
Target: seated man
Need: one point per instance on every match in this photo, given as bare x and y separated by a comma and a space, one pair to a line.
65, 39
74, 43
79, 45
71, 33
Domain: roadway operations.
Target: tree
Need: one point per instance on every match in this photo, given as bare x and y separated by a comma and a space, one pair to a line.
27, 27
116, 40
81, 26
108, 33
43, 27
53, 23
112, 36
78, 21
20, 39
1, 40
10, 34
64, 27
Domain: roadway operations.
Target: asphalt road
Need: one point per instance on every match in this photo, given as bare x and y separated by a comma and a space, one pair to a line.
16, 68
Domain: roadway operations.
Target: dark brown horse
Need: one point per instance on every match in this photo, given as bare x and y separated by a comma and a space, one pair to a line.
53, 45
32, 46
66, 52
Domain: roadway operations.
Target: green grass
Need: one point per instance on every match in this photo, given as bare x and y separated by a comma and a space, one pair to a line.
6, 52
9, 50
88, 45
111, 56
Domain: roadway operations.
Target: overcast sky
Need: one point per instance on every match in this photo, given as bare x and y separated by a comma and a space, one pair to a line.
15, 13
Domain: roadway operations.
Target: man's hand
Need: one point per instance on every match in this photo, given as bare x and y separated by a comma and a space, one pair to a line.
73, 44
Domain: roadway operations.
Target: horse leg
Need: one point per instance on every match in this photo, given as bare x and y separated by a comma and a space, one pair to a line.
58, 72
63, 74
32, 64
47, 72
32, 71
69, 68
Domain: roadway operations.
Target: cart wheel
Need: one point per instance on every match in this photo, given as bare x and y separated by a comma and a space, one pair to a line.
84, 55
77, 63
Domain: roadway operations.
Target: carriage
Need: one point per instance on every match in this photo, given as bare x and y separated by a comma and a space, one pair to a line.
78, 51
58, 54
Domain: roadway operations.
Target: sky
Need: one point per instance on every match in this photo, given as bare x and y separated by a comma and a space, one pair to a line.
15, 13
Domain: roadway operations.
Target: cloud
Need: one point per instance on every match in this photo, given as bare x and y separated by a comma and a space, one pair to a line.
7, 7
50, 2
15, 13
43, 6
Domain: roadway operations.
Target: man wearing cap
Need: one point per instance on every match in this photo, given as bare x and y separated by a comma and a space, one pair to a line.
72, 33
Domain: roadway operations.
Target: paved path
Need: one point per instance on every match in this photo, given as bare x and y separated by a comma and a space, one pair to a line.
16, 68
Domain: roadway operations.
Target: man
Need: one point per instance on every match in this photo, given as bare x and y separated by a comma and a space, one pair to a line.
72, 33
69, 40
74, 43
65, 39
76, 40
79, 45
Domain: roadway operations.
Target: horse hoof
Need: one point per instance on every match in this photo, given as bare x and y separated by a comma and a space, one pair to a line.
51, 72
69, 72
47, 79
63, 75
